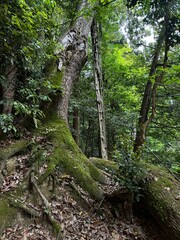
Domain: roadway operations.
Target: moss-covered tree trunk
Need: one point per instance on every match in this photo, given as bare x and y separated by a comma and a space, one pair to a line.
162, 199
69, 159
161, 195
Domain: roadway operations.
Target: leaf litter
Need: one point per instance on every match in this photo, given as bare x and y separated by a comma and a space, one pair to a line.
96, 223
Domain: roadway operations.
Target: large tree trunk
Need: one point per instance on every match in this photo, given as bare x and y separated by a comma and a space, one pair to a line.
99, 87
161, 195
73, 58
162, 199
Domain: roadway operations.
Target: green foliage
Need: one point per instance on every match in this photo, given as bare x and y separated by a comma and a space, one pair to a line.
28, 37
176, 168
6, 123
28, 31
130, 173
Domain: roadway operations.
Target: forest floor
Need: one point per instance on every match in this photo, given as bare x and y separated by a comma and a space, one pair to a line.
95, 223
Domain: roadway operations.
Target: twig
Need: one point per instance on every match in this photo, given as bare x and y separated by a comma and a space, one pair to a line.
102, 200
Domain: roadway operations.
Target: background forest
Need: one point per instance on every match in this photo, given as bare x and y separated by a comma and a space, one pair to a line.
129, 33
109, 72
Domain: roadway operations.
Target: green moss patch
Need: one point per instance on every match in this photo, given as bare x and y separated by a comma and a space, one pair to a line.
52, 74
13, 149
161, 197
7, 214
106, 165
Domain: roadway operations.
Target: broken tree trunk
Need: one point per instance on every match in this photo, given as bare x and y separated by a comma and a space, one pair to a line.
99, 87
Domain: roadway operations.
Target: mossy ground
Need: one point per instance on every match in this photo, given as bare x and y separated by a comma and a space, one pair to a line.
14, 148
7, 214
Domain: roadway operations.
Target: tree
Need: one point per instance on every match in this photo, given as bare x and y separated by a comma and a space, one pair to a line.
155, 77
99, 86
73, 57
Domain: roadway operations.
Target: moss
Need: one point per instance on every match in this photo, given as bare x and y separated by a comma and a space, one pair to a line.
162, 177
106, 165
7, 214
96, 174
161, 194
53, 75
69, 158
13, 149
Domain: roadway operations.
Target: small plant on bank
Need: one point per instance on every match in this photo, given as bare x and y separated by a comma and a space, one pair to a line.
6, 123
130, 174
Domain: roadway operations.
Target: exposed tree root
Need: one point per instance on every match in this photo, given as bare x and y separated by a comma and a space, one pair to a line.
56, 226
69, 159
9, 151
161, 199
18, 204
77, 195
161, 192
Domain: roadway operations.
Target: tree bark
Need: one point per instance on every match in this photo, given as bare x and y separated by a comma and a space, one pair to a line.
99, 87
73, 58
162, 199
9, 89
76, 125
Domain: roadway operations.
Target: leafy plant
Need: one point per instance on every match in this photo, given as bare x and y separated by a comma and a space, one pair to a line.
33, 93
130, 173
176, 168
6, 123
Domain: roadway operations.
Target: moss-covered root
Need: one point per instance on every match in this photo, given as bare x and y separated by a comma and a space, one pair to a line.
13, 149
96, 173
162, 197
69, 158
7, 214
105, 165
